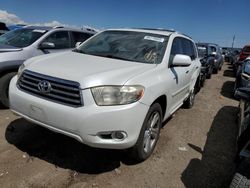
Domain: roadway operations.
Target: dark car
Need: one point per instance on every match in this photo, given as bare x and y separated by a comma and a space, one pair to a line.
231, 55
243, 75
242, 175
213, 55
206, 59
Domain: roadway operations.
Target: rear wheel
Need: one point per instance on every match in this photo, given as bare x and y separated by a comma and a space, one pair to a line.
149, 134
4, 88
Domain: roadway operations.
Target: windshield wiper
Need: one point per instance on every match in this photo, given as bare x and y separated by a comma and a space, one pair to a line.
78, 51
113, 57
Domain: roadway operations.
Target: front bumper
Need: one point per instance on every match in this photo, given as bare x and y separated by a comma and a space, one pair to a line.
85, 123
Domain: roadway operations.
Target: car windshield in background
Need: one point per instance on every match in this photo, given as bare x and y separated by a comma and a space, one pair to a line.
127, 45
202, 51
21, 37
246, 49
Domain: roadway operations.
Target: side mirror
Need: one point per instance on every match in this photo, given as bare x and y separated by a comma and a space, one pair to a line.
181, 60
78, 44
47, 45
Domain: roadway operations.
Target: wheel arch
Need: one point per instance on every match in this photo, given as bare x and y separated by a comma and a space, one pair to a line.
162, 101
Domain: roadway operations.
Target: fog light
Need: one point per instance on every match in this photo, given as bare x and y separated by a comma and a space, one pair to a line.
118, 135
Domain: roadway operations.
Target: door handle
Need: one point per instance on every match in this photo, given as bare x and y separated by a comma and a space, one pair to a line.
187, 71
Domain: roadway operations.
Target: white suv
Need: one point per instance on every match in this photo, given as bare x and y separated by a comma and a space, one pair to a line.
113, 91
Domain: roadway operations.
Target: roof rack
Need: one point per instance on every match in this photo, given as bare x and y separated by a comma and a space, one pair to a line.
157, 29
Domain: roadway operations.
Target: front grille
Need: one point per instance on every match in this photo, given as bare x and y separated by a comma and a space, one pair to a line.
60, 91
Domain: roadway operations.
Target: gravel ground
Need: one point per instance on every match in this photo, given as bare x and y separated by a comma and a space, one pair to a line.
196, 149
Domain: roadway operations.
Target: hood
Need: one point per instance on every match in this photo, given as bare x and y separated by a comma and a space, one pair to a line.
8, 48
88, 70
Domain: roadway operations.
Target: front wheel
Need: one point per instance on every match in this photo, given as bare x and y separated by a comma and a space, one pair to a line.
149, 134
189, 102
241, 178
4, 88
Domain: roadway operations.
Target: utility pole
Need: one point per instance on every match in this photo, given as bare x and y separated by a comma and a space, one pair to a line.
233, 41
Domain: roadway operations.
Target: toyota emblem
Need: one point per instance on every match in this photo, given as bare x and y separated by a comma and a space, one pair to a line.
44, 86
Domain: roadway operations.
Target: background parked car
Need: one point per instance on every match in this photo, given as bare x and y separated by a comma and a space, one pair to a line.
206, 59
231, 54
20, 44
214, 53
241, 178
16, 26
245, 52
243, 75
3, 28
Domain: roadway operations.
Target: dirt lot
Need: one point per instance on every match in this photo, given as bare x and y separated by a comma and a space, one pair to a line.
196, 149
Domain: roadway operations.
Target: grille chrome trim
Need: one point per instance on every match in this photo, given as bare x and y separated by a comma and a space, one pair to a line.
62, 91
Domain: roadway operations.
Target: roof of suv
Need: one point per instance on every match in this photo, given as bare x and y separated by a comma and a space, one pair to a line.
60, 27
147, 30
207, 44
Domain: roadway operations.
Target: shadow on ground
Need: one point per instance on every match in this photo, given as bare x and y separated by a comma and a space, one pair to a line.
227, 89
62, 151
229, 73
216, 167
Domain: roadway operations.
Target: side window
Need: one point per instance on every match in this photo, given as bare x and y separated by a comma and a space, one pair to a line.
213, 49
80, 37
193, 51
176, 48
188, 48
60, 39
183, 46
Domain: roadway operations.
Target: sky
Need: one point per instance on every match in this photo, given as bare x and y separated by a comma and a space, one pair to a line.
215, 21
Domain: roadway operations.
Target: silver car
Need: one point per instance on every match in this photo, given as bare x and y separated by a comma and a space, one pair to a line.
21, 44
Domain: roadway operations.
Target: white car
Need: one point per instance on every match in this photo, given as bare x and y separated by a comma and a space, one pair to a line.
113, 91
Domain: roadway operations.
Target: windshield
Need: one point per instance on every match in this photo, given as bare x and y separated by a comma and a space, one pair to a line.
127, 45
21, 37
202, 51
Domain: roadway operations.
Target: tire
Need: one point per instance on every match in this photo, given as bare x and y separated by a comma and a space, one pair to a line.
241, 178
4, 88
216, 71
209, 76
189, 102
236, 86
149, 134
220, 67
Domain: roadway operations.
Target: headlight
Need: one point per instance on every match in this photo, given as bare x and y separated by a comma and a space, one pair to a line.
117, 95
245, 76
20, 70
